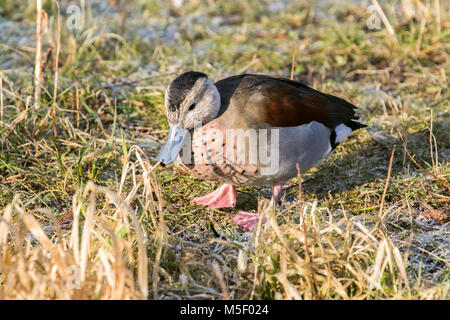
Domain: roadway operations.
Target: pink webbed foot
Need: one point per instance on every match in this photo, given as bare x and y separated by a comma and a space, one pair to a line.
223, 197
249, 220
246, 220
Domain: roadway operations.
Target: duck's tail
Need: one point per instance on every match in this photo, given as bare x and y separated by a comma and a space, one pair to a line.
355, 125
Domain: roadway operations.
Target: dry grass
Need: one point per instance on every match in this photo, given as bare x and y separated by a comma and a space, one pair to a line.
103, 258
303, 252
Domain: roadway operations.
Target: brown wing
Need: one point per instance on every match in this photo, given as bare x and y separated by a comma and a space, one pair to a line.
285, 103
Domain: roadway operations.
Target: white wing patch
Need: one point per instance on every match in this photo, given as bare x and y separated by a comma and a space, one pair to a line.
342, 131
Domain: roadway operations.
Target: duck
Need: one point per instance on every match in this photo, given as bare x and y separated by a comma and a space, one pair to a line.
250, 130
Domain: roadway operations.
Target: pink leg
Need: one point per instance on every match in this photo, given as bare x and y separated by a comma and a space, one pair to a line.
248, 220
224, 197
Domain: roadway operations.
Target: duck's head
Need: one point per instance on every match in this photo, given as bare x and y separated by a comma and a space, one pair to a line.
191, 100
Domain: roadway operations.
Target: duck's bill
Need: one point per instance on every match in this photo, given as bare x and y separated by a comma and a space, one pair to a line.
172, 148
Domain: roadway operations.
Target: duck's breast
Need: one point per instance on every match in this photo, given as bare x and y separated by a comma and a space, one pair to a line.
254, 157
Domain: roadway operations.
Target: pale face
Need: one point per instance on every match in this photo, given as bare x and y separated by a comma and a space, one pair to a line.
188, 104
201, 104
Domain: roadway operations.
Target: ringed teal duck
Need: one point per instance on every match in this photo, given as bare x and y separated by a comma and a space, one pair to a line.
250, 130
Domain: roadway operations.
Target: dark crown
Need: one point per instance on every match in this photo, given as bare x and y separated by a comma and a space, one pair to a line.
180, 87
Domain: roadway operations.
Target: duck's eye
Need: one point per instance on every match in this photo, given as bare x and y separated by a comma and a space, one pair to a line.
192, 106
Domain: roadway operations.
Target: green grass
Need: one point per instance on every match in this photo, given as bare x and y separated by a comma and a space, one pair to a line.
118, 82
